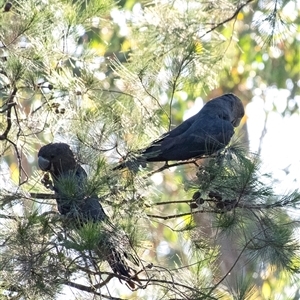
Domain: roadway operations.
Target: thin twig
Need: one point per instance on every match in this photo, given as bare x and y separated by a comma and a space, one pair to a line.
184, 62
167, 166
10, 105
43, 196
178, 215
179, 285
228, 19
241, 253
9, 217
89, 290
172, 202
21, 169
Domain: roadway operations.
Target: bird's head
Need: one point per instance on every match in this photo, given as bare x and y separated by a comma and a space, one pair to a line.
56, 158
238, 110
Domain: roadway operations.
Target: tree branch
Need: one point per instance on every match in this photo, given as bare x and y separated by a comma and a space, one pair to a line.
88, 289
2, 216
172, 202
167, 166
10, 104
177, 215
228, 19
43, 196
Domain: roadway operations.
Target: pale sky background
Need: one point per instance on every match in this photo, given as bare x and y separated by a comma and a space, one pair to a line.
280, 145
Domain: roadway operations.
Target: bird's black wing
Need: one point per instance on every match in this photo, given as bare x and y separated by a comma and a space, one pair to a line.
205, 133
205, 136
180, 129
153, 150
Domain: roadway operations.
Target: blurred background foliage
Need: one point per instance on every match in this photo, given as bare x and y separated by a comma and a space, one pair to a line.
108, 77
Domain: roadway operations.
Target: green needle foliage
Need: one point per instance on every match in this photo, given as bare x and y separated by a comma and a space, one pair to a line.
246, 209
107, 78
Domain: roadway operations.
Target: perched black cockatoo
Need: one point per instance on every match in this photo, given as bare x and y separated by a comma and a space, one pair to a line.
69, 179
203, 134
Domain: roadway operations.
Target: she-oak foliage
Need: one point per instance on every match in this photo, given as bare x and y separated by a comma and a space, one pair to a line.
67, 74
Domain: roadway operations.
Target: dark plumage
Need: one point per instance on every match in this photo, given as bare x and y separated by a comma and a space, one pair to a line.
203, 134
69, 180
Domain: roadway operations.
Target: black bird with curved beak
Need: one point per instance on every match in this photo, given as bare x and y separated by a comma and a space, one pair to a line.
207, 132
69, 179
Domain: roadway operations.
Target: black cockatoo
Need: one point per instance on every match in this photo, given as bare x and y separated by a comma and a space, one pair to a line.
203, 134
69, 179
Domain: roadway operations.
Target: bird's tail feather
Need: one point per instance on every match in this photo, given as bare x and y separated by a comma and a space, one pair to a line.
119, 266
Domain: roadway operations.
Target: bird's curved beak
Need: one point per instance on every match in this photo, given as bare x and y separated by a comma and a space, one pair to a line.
43, 163
236, 122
